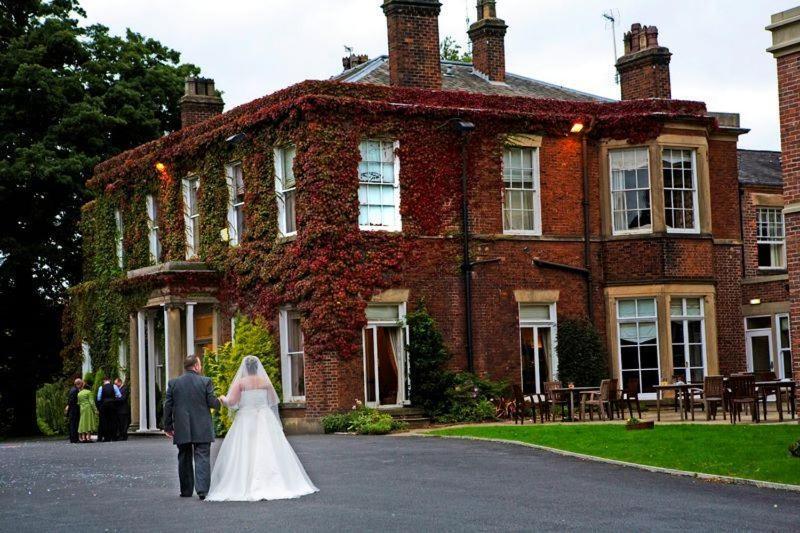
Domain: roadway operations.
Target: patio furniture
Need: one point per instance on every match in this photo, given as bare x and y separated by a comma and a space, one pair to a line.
742, 391
519, 406
768, 390
681, 393
553, 397
713, 394
630, 394
600, 399
615, 400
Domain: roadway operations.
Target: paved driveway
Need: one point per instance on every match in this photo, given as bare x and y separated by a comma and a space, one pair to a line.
374, 484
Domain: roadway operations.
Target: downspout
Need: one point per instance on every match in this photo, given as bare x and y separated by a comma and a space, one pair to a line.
587, 245
464, 129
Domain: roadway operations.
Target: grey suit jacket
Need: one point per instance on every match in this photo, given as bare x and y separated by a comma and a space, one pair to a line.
186, 410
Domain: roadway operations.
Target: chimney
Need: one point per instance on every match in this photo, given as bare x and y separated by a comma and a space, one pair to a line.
644, 69
488, 42
353, 60
785, 28
199, 101
413, 43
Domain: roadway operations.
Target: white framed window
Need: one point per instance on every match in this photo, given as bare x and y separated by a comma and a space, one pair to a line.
522, 210
539, 360
292, 357
286, 189
387, 380
679, 167
379, 186
784, 346
234, 176
637, 327
154, 243
630, 190
771, 239
687, 326
191, 215
118, 238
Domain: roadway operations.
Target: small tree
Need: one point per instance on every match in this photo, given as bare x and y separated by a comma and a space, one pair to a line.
50, 402
427, 358
450, 50
581, 355
252, 338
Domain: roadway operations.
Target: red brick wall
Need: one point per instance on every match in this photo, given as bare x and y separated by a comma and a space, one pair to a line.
767, 292
413, 44
646, 76
488, 50
789, 101
730, 326
723, 171
193, 112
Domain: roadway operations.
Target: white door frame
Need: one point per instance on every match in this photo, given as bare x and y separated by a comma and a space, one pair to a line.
402, 369
763, 332
536, 325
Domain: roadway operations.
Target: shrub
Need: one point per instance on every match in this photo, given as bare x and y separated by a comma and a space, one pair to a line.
581, 355
794, 449
427, 356
469, 399
50, 402
252, 337
362, 420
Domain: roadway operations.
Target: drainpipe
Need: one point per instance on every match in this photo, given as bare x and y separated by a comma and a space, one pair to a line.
587, 245
465, 128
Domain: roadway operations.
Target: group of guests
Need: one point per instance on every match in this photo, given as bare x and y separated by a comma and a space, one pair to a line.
108, 414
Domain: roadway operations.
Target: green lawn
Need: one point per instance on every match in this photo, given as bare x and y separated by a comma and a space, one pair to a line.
747, 451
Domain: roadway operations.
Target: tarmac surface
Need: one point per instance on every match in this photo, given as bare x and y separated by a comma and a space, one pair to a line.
394, 483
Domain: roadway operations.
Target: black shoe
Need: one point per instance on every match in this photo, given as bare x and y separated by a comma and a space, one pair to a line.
201, 495
186, 495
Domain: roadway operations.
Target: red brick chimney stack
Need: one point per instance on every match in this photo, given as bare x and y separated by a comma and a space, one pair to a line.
644, 68
199, 102
785, 28
413, 43
488, 42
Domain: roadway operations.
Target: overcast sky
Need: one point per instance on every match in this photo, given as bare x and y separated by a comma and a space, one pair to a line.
254, 47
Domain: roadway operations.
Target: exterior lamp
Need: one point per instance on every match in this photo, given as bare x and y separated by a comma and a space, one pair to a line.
161, 167
577, 127
755, 301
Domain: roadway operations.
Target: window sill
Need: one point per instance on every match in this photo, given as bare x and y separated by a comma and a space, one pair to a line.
658, 235
293, 405
283, 239
379, 228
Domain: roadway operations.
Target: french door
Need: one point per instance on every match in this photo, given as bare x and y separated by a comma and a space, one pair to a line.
759, 350
386, 380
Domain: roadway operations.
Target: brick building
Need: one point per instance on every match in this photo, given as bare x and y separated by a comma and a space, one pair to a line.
624, 212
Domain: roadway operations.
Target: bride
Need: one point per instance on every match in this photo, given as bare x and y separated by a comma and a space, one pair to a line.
256, 462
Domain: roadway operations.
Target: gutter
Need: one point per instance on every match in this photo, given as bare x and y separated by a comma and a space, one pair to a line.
587, 248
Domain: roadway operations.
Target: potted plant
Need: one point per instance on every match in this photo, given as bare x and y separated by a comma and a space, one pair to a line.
634, 423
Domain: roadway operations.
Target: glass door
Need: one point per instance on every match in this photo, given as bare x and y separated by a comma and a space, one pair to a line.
537, 362
385, 369
784, 347
759, 351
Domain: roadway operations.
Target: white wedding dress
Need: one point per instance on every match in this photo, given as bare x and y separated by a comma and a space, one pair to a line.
256, 462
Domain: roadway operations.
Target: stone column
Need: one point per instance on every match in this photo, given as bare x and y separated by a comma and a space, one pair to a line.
133, 371
174, 342
189, 329
141, 382
785, 28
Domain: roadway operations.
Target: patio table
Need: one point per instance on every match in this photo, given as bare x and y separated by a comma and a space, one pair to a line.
779, 385
681, 391
572, 391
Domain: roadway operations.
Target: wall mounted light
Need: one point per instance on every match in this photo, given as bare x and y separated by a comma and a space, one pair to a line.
161, 167
577, 127
755, 301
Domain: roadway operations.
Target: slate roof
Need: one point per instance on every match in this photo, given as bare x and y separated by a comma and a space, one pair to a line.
458, 76
760, 167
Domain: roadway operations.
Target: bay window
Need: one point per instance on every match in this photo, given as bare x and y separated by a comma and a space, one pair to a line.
637, 325
771, 239
679, 168
285, 189
521, 196
379, 186
688, 339
630, 190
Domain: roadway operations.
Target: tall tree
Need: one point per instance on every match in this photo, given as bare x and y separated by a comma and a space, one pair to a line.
71, 95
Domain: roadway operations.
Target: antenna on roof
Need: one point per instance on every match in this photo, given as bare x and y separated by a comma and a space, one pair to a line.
612, 19
348, 50
467, 22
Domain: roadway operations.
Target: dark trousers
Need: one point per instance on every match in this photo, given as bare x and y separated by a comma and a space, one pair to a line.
74, 420
198, 475
108, 421
123, 423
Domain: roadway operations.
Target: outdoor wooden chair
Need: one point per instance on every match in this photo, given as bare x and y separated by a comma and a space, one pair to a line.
615, 400
599, 399
765, 391
713, 394
553, 398
630, 394
519, 406
742, 391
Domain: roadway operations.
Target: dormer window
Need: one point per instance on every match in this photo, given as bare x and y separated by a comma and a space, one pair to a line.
379, 186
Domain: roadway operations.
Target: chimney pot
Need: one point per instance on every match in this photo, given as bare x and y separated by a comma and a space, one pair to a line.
644, 67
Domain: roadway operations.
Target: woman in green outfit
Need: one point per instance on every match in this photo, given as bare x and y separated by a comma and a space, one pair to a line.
89, 418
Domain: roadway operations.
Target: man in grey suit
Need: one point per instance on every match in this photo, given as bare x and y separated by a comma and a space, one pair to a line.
187, 421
